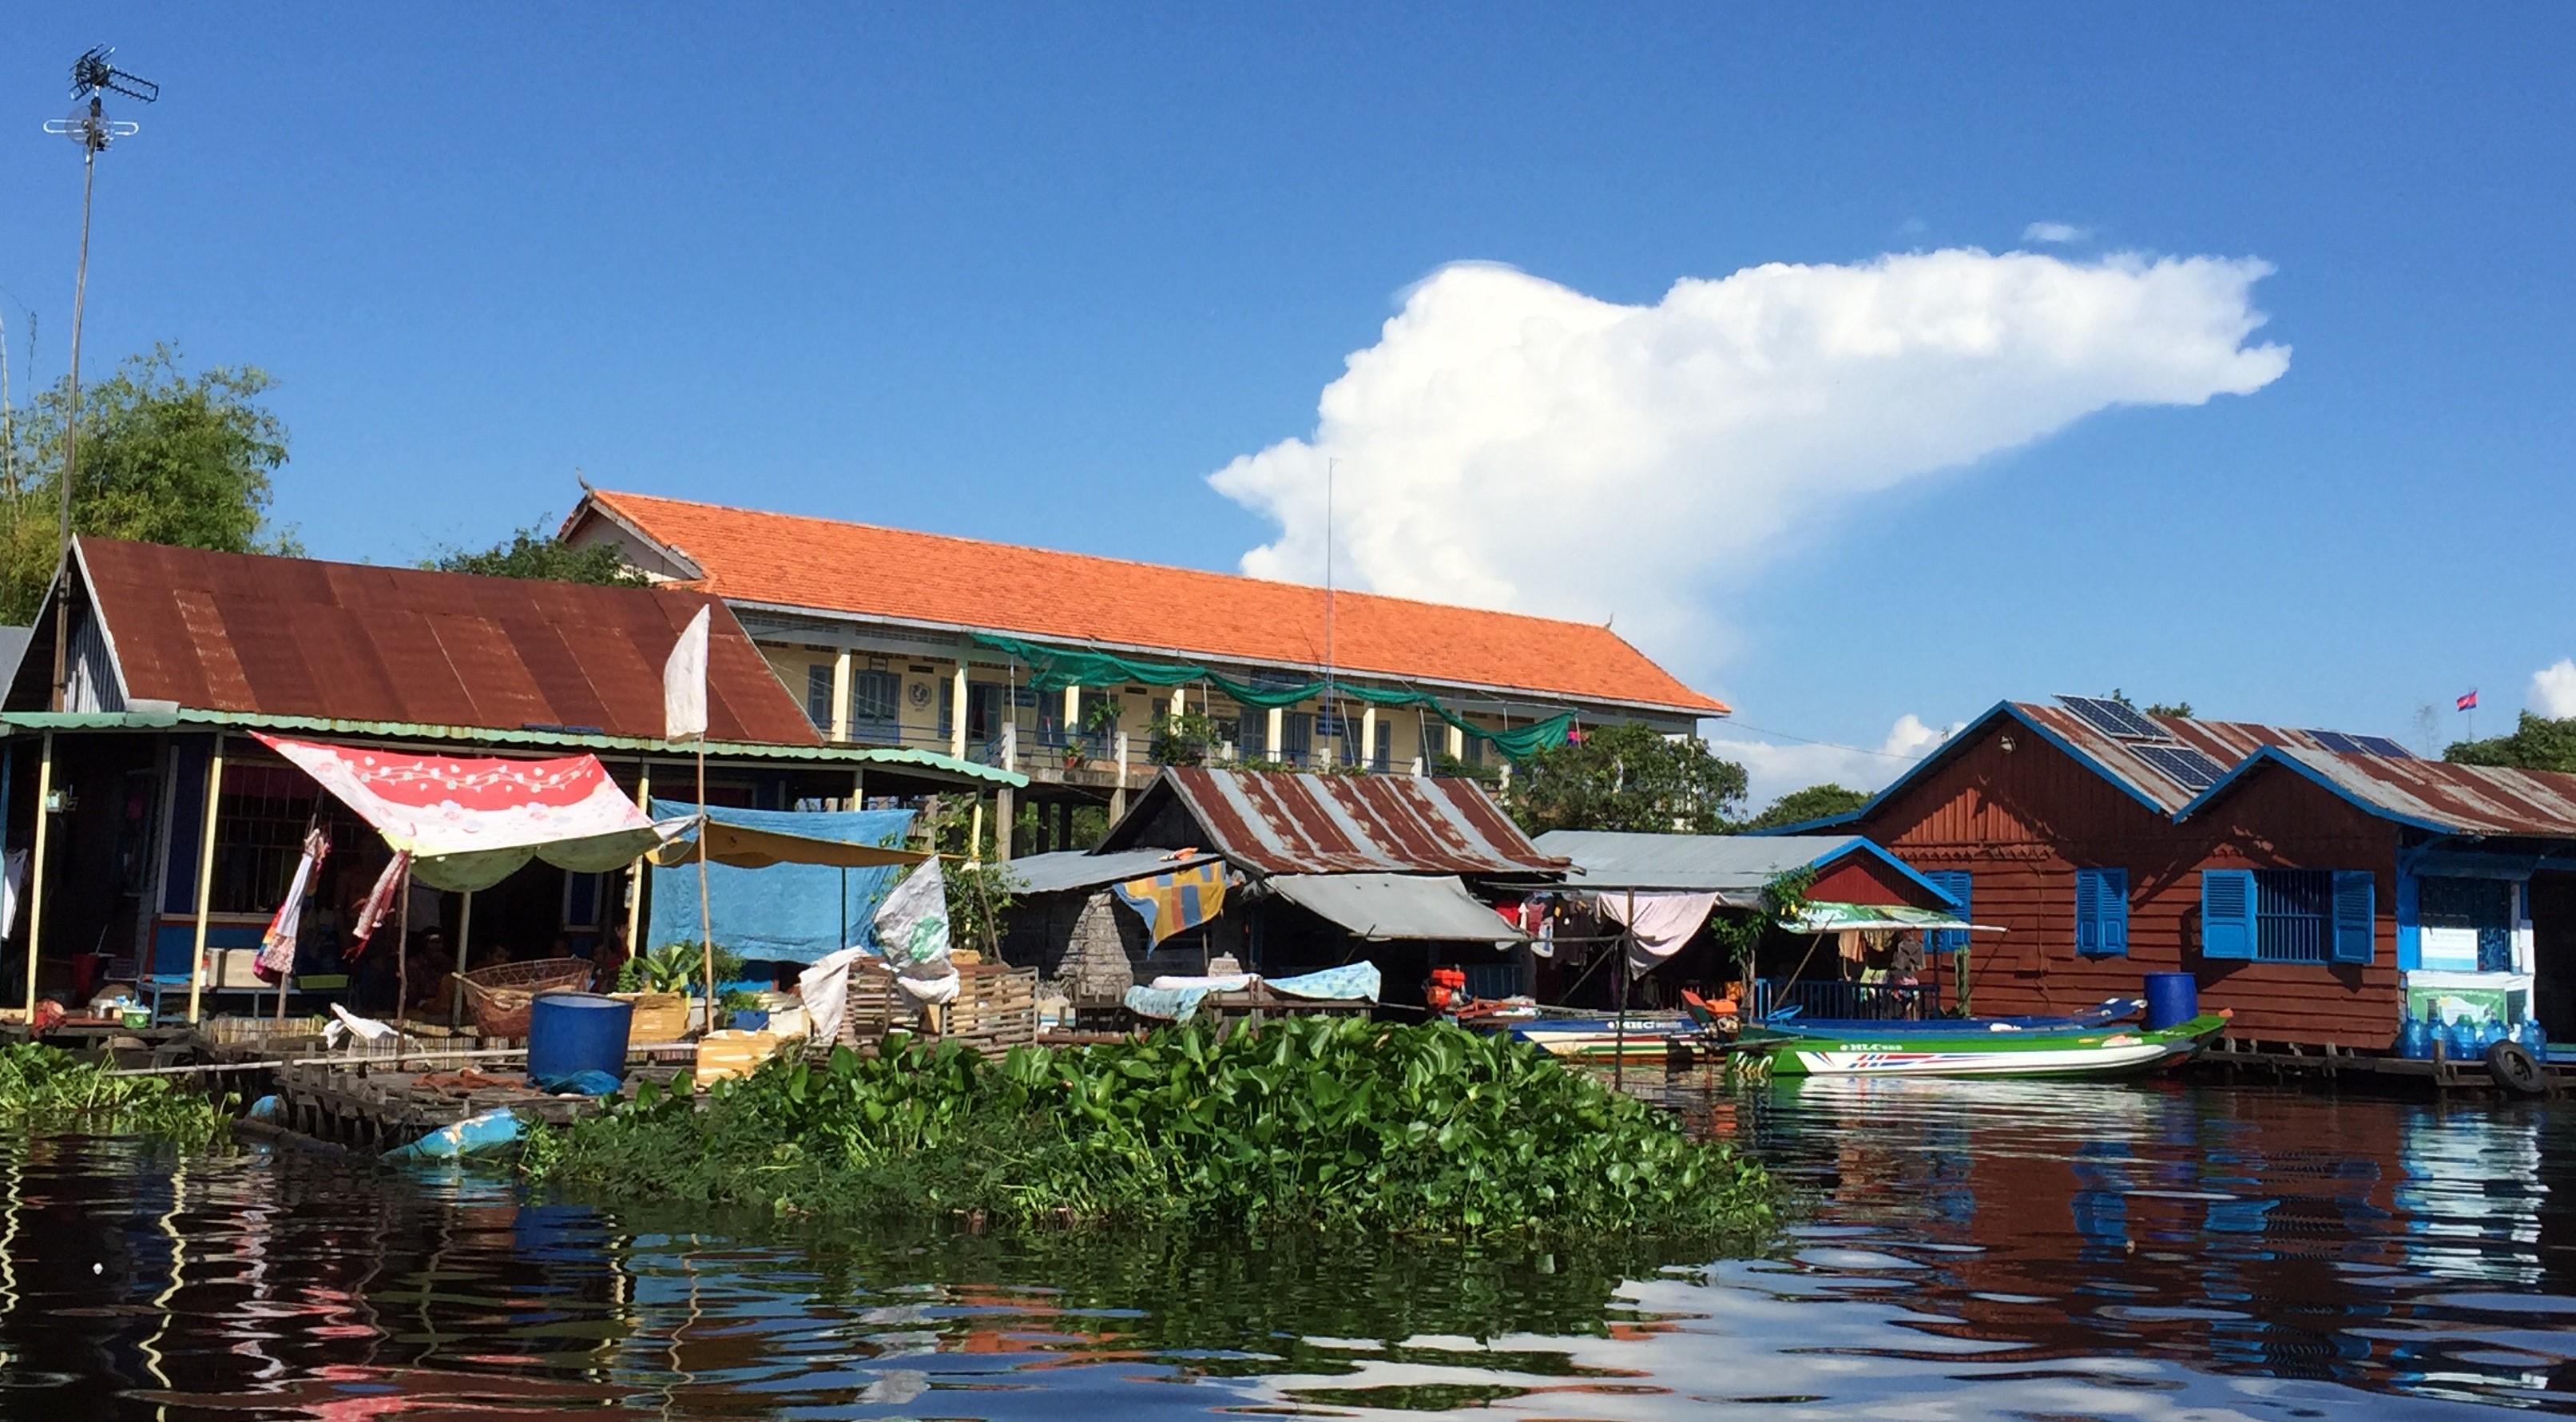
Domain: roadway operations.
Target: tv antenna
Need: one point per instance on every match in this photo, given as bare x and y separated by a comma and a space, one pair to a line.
93, 78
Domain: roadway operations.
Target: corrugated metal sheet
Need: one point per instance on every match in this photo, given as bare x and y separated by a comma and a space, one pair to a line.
2226, 742
1733, 865
2460, 799
1071, 869
350, 642
1276, 822
1428, 907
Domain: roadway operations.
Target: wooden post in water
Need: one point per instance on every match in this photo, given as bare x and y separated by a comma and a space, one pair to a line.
36, 874
464, 936
635, 872
1619, 1000
205, 877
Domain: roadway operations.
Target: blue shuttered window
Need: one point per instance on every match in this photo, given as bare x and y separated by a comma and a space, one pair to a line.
818, 697
2356, 918
2102, 913
1956, 883
2227, 913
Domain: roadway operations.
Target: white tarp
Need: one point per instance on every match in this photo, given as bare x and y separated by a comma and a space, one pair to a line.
470, 822
684, 683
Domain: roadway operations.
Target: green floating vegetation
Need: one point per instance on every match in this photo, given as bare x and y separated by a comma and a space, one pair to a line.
1320, 1122
47, 1089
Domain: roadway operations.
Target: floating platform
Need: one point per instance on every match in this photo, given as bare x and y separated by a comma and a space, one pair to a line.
2286, 1061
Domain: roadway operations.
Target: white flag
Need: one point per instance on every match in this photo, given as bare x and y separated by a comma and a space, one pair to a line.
684, 683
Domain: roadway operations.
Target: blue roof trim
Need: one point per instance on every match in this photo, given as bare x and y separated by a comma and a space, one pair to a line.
1938, 894
2271, 755
1957, 742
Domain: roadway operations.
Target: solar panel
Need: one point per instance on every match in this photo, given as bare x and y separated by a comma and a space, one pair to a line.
2183, 765
2337, 741
2381, 745
2112, 718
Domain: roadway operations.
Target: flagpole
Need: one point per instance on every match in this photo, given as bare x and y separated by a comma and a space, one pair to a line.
706, 918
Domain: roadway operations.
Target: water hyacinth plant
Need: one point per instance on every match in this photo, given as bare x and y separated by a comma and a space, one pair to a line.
1310, 1121
51, 1090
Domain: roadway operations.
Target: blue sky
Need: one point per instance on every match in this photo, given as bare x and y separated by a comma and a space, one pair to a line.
1034, 274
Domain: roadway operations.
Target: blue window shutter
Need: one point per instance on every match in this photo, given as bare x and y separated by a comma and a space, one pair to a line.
2410, 933
2227, 913
1955, 883
2356, 915
2102, 913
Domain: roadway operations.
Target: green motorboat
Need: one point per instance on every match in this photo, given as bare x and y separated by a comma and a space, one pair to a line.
1970, 1048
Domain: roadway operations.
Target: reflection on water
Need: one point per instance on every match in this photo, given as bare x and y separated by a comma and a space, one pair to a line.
1971, 1250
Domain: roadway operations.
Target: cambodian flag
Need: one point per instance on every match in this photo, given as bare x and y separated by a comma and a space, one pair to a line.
2468, 702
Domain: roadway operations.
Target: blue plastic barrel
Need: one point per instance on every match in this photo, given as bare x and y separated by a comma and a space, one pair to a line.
573, 1032
2172, 999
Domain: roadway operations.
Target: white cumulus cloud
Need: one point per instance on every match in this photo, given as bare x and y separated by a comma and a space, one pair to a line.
1772, 769
2553, 690
2055, 232
1508, 442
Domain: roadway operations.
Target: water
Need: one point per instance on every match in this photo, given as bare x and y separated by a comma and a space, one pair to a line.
1972, 1250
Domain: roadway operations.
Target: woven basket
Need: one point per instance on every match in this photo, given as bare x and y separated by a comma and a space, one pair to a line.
499, 996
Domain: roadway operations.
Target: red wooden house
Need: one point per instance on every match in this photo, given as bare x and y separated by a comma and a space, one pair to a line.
2316, 883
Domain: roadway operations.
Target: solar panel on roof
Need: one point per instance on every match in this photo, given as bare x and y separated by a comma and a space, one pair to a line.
2381, 745
2184, 766
2111, 718
2338, 742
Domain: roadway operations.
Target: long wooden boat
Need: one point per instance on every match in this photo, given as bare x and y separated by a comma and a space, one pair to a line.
1601, 1039
1893, 1049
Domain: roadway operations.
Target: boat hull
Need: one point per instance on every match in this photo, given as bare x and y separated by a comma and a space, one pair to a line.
2000, 1054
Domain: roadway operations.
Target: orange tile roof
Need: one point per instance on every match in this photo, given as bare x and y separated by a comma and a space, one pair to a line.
788, 560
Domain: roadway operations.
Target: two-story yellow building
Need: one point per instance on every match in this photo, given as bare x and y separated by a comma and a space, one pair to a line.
1072, 669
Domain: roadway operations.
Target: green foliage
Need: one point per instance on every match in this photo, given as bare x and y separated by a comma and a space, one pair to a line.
1627, 777
1185, 739
2154, 708
1740, 934
165, 457
1813, 803
48, 1089
534, 553
678, 967
2537, 743
1332, 1123
1448, 766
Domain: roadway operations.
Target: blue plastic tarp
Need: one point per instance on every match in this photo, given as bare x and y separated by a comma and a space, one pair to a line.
793, 913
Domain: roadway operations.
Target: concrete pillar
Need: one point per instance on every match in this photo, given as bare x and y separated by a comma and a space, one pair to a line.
1180, 702
1368, 735
957, 715
841, 683
1007, 815
1072, 710
1011, 742
1457, 744
1118, 797
1278, 733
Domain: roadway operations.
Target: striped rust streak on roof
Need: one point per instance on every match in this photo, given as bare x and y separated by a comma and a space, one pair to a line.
2480, 800
251, 633
863, 570
1277, 822
2465, 799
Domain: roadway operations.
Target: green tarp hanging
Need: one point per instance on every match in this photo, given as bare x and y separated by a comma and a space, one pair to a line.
1055, 668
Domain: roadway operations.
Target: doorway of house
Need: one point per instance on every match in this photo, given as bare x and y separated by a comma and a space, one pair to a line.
2553, 953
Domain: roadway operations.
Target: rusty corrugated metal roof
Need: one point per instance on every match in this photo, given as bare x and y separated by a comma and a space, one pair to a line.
1279, 822
2226, 742
353, 642
2481, 800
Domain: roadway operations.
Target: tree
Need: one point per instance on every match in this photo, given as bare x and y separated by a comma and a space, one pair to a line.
165, 457
2537, 743
2181, 709
534, 553
1813, 803
1629, 777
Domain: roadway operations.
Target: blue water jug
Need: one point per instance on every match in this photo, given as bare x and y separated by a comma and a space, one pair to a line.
2490, 1032
2414, 1039
2462, 1040
2533, 1039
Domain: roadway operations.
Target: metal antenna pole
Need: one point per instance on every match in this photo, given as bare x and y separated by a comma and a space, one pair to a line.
92, 76
1330, 701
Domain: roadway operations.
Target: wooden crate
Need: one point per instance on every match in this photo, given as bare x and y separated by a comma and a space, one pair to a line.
996, 1009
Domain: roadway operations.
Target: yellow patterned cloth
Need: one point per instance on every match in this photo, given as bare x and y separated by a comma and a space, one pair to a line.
1182, 899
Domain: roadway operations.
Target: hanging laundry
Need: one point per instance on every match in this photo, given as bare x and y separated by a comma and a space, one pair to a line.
1658, 924
379, 906
277, 946
1172, 903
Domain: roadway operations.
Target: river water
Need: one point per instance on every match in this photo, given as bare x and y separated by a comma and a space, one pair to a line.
1967, 1250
